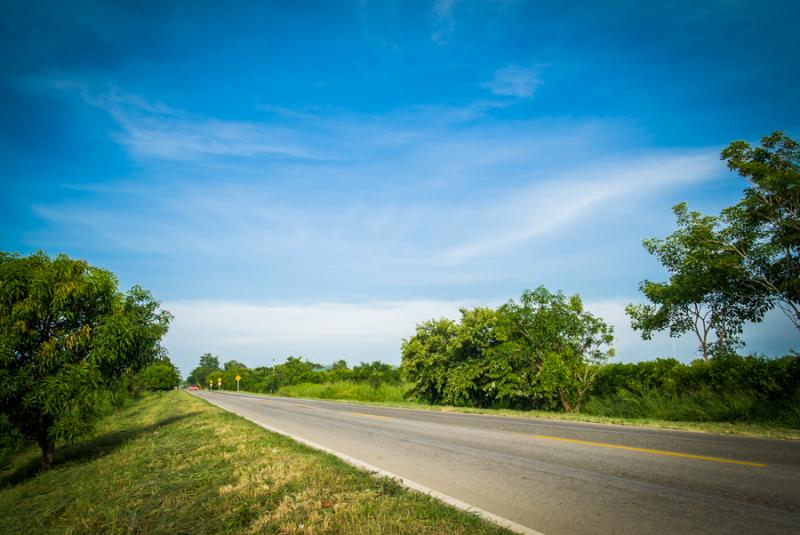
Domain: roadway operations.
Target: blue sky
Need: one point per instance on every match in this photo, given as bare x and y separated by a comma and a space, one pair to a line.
314, 178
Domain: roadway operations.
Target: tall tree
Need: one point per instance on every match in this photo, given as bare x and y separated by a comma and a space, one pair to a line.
208, 364
66, 334
764, 227
707, 292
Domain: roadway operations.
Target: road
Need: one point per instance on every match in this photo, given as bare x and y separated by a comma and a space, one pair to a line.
559, 477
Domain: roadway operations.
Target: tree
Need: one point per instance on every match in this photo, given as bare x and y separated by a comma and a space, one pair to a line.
563, 345
66, 334
160, 375
764, 227
426, 358
544, 351
707, 291
141, 315
233, 365
296, 370
208, 364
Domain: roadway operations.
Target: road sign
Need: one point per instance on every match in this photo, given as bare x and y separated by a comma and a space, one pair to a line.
238, 377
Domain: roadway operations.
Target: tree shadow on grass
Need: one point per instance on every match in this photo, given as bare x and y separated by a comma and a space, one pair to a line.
88, 450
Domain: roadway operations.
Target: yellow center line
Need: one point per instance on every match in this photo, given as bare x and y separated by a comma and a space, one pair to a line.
371, 415
654, 452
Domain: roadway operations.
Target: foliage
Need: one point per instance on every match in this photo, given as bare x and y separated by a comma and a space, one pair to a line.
564, 345
293, 371
729, 269
764, 227
350, 390
233, 365
426, 358
67, 335
706, 292
160, 375
208, 364
728, 388
543, 351
375, 373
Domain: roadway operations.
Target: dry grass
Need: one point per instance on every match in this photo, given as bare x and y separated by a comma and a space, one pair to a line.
175, 464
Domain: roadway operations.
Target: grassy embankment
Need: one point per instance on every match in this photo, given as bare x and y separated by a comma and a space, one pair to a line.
347, 390
172, 463
684, 412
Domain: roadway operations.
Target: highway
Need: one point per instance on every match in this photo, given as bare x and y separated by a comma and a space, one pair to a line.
559, 477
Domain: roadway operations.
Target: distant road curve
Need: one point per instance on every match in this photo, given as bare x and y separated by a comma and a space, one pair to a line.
558, 477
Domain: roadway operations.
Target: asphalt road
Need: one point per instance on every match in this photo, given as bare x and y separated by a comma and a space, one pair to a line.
559, 477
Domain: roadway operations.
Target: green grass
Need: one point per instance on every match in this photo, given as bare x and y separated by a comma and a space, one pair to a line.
172, 463
703, 405
649, 411
346, 390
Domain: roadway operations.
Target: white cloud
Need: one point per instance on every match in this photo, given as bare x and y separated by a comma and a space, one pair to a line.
548, 205
444, 23
323, 332
515, 81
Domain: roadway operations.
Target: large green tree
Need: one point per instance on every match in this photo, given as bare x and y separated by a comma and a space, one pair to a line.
66, 335
544, 350
563, 345
763, 229
729, 269
707, 293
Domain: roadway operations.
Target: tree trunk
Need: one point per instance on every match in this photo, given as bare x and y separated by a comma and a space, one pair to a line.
564, 402
48, 446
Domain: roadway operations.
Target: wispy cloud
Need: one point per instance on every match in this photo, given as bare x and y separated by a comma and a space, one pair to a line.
578, 195
515, 81
438, 188
444, 22
155, 130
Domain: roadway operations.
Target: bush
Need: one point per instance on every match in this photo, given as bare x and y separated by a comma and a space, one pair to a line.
730, 388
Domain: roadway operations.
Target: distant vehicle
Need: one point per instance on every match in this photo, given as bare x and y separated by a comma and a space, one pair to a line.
193, 388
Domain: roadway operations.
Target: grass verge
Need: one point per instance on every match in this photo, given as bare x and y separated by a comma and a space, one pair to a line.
172, 463
346, 390
762, 430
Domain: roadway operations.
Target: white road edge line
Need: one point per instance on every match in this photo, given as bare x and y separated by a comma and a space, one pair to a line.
379, 472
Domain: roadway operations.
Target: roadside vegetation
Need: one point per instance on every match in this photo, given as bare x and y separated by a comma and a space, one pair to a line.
347, 390
172, 463
69, 341
545, 352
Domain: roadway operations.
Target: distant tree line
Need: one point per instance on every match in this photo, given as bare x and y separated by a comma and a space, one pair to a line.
295, 370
